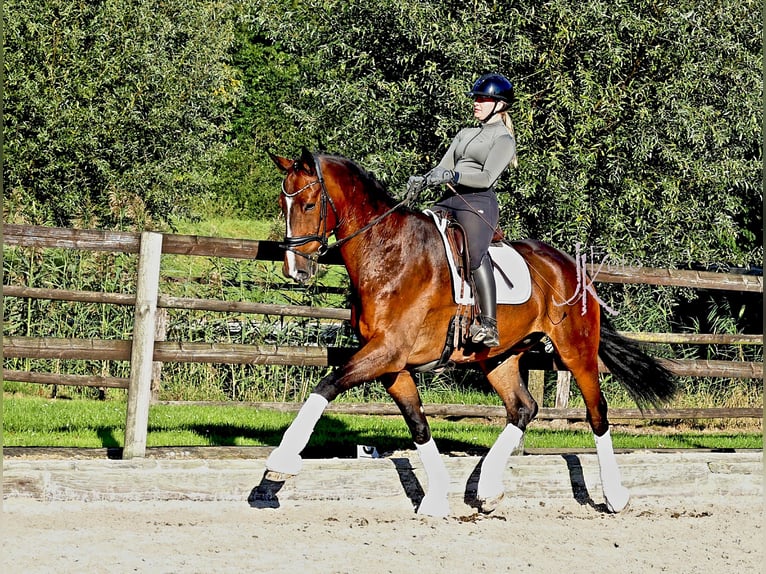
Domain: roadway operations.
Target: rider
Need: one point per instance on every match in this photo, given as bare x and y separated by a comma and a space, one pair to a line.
472, 165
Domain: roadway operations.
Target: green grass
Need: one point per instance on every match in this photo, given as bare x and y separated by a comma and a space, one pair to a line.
36, 421
228, 226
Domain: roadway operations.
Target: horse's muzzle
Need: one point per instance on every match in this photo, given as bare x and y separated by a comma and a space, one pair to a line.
298, 268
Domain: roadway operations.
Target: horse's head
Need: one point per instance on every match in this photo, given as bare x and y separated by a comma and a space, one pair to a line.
310, 214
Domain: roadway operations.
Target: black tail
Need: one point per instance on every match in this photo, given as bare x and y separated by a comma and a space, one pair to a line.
645, 379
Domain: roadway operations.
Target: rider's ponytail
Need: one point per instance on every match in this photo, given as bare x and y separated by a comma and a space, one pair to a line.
514, 163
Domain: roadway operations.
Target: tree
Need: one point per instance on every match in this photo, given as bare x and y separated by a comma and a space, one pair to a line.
638, 122
648, 127
114, 110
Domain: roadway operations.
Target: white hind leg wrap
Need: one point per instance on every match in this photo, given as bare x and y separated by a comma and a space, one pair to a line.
286, 457
493, 467
616, 495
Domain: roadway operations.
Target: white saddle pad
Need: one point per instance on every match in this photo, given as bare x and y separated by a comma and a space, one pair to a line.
512, 278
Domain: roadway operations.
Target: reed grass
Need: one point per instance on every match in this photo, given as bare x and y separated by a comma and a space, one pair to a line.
642, 308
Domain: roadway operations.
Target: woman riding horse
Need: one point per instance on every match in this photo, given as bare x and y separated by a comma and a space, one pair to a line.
473, 163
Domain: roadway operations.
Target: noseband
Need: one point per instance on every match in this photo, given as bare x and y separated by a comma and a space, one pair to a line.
322, 235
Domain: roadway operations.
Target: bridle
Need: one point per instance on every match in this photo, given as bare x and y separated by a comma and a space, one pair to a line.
322, 235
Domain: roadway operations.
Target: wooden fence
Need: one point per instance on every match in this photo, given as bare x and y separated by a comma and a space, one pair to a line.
144, 351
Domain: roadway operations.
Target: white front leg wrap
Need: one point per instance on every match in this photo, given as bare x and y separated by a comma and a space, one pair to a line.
616, 495
435, 502
493, 467
286, 457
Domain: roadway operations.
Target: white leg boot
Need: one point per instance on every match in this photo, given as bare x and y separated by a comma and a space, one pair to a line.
490, 490
435, 502
616, 495
286, 458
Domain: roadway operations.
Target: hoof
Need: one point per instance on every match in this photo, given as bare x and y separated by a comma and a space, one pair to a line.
437, 506
618, 501
265, 495
489, 505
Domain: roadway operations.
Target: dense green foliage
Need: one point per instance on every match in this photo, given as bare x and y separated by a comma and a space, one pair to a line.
638, 122
114, 111
639, 131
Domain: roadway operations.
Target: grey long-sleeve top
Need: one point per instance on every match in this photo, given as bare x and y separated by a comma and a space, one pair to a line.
479, 155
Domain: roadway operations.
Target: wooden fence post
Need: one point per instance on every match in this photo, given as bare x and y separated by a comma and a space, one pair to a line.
563, 384
160, 333
142, 351
536, 386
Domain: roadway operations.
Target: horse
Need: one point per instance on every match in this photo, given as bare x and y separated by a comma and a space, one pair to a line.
401, 310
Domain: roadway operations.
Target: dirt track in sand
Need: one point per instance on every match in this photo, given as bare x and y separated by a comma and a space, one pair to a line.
702, 514
370, 537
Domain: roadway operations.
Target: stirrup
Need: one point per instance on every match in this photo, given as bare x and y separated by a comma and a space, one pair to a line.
485, 332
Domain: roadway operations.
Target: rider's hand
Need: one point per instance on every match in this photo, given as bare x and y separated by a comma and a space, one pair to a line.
439, 176
415, 185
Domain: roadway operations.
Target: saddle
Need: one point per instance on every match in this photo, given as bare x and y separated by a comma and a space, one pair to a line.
458, 241
512, 279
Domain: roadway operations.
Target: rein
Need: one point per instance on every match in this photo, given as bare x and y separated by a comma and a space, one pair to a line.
322, 235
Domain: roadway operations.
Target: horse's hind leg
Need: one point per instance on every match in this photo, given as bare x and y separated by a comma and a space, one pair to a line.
584, 367
521, 408
402, 389
616, 495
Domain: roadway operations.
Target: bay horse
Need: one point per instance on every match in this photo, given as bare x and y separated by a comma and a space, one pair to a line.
401, 311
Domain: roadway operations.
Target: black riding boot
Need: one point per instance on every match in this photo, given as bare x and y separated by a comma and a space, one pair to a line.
484, 280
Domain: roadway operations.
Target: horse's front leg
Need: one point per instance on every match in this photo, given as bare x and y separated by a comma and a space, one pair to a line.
371, 361
403, 390
285, 460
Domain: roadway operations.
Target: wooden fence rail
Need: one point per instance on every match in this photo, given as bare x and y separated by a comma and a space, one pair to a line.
498, 412
143, 350
122, 242
240, 354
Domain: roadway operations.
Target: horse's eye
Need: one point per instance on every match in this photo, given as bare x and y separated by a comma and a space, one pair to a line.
309, 206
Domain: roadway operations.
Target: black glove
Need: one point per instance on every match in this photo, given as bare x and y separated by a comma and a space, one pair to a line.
415, 185
439, 176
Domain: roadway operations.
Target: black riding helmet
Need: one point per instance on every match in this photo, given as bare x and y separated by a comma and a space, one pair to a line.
495, 86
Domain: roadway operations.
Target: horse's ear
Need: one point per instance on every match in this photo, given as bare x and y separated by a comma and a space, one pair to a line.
307, 161
282, 163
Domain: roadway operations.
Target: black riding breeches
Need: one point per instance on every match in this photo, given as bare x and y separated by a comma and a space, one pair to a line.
478, 213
